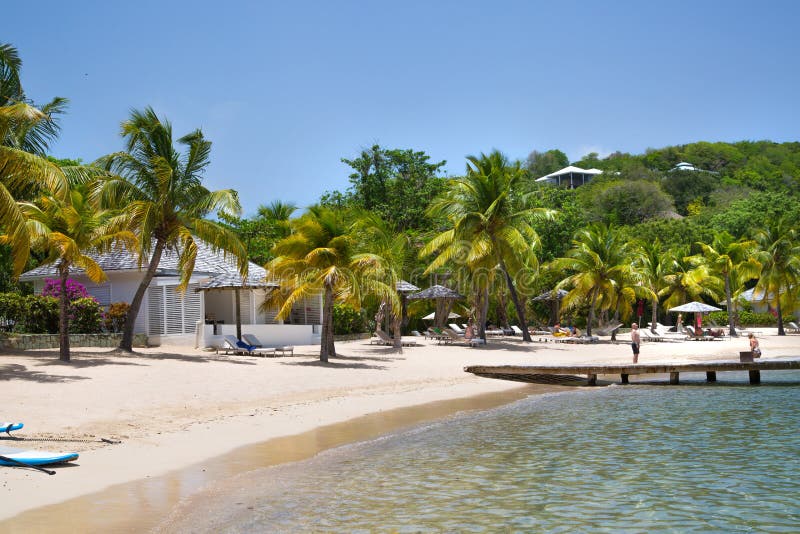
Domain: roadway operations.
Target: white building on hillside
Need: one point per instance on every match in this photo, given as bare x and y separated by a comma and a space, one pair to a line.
570, 177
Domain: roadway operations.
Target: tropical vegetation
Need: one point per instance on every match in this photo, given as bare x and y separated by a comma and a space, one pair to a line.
648, 234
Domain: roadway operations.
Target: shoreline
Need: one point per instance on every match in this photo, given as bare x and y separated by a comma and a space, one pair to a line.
177, 408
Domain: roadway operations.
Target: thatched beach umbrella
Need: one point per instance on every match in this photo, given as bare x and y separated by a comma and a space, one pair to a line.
444, 297
404, 289
554, 298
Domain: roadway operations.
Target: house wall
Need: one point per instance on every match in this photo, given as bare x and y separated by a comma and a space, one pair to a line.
269, 334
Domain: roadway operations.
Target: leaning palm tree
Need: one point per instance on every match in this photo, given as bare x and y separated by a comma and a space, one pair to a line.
651, 266
65, 230
598, 260
166, 203
321, 255
489, 223
735, 262
25, 133
779, 255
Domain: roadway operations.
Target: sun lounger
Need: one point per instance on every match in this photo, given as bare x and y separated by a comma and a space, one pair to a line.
457, 329
387, 340
455, 339
792, 326
517, 330
253, 341
607, 330
237, 346
647, 335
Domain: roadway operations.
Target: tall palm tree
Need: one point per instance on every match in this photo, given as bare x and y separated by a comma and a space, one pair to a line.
779, 255
651, 265
735, 262
688, 279
165, 200
65, 230
321, 255
25, 132
490, 224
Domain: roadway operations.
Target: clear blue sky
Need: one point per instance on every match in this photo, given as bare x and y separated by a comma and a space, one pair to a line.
286, 89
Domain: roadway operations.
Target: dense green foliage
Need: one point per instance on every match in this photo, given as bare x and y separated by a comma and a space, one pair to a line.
347, 320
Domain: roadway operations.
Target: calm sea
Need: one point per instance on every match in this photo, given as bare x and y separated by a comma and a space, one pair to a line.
640, 458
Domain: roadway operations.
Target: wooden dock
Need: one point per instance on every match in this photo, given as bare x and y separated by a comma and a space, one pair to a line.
529, 373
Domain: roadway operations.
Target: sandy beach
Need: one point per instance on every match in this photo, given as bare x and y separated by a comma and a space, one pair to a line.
171, 408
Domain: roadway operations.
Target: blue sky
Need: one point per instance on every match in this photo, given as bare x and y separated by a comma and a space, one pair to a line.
284, 90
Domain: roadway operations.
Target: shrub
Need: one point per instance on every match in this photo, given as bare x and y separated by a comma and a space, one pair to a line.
11, 307
85, 316
115, 316
746, 318
39, 315
347, 320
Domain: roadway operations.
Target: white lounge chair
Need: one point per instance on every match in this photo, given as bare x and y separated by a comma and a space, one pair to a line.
388, 340
517, 330
455, 339
792, 326
457, 329
254, 341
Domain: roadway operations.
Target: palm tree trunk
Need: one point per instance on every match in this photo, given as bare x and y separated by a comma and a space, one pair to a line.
654, 316
393, 319
729, 299
484, 311
590, 319
781, 331
63, 313
126, 343
523, 323
327, 348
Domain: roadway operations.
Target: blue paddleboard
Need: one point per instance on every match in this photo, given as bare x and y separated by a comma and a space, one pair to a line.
34, 457
8, 427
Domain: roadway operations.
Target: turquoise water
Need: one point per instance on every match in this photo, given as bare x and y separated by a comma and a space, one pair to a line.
691, 458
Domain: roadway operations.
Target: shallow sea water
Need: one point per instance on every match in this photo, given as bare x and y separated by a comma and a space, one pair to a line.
640, 458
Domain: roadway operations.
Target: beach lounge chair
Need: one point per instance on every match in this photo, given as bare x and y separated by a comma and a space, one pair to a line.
647, 335
455, 339
253, 341
230, 343
792, 326
388, 340
517, 330
607, 330
457, 329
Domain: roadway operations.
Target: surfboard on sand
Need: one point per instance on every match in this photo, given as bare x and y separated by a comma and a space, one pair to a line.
9, 427
34, 457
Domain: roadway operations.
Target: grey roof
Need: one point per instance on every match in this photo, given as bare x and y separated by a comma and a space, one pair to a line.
437, 292
405, 287
221, 270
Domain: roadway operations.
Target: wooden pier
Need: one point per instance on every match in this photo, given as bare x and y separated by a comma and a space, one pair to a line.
529, 373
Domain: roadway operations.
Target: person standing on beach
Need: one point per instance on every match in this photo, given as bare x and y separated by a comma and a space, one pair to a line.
636, 340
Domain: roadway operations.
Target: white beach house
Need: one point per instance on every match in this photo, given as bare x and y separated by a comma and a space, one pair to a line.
207, 310
570, 177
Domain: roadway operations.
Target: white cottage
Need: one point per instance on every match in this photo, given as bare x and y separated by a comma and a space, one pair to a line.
570, 177
207, 310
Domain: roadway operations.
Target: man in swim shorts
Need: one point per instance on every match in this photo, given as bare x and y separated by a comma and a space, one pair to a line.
636, 340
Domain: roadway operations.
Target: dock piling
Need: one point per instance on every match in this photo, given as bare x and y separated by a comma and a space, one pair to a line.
673, 379
711, 376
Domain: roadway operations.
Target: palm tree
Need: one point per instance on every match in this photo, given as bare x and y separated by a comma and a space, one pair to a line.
321, 255
165, 200
687, 279
25, 132
779, 255
735, 262
651, 266
491, 228
64, 231
600, 260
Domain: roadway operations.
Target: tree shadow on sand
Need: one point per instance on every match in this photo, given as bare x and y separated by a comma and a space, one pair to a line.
343, 362
15, 371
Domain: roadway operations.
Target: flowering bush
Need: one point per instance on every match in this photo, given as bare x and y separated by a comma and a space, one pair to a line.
75, 290
115, 316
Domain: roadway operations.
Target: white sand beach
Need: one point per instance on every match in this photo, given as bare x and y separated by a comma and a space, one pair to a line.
171, 408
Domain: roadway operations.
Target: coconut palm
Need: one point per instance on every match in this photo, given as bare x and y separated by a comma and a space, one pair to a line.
599, 260
779, 255
25, 132
687, 278
165, 200
490, 226
651, 266
734, 261
321, 255
64, 230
